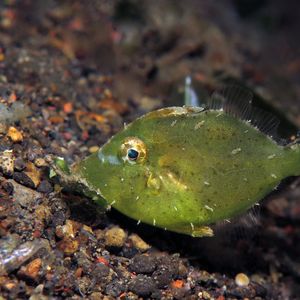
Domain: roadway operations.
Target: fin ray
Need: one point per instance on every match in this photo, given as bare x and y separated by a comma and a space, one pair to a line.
237, 101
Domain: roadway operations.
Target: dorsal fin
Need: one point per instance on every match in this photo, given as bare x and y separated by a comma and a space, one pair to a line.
237, 101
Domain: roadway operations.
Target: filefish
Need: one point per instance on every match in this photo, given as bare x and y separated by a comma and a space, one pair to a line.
186, 168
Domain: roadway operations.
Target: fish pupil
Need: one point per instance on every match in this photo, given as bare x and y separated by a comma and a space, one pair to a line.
132, 154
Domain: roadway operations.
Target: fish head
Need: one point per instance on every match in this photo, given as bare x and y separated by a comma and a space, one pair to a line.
137, 173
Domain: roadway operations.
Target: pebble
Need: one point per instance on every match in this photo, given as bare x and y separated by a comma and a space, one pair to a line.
242, 280
139, 243
142, 285
40, 162
115, 237
20, 164
32, 269
33, 173
7, 162
12, 260
100, 273
24, 179
142, 264
14, 134
23, 195
45, 187
162, 277
68, 246
93, 149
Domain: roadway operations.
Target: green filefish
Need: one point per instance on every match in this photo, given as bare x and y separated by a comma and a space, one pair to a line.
186, 168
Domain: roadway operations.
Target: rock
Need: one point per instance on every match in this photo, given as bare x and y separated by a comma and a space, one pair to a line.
68, 246
45, 187
23, 195
20, 164
142, 285
11, 259
7, 162
40, 162
101, 273
33, 173
115, 288
93, 149
32, 269
162, 276
242, 280
142, 264
68, 230
115, 237
24, 179
14, 134
138, 243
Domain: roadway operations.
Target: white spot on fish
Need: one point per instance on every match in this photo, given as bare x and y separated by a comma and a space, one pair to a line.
227, 220
271, 156
137, 198
192, 226
236, 151
154, 222
257, 204
199, 124
245, 179
219, 114
113, 202
273, 175
175, 208
208, 208
122, 179
206, 183
183, 149
173, 123
138, 222
246, 131
105, 184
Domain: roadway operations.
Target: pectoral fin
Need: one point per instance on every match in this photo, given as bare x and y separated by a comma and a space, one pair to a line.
195, 231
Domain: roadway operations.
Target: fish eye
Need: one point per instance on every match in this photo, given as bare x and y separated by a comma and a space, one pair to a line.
133, 150
132, 154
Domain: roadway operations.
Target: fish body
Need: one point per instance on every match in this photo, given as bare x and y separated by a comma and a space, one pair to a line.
185, 168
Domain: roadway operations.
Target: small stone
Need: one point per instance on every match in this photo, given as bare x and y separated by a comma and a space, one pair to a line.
23, 195
100, 273
138, 243
33, 173
32, 269
204, 295
24, 179
7, 162
45, 187
93, 149
40, 162
20, 164
96, 296
68, 246
115, 237
142, 285
162, 277
242, 280
14, 134
142, 264
68, 230
8, 187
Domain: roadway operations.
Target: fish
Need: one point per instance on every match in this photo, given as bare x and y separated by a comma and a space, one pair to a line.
184, 169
